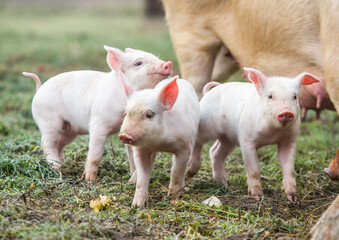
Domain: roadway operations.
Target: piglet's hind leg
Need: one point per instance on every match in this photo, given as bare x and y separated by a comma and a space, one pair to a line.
218, 153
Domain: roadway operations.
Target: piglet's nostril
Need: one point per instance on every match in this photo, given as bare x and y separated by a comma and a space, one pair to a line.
167, 68
285, 117
125, 138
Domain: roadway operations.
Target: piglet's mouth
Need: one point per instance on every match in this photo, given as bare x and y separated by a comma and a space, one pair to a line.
126, 138
160, 73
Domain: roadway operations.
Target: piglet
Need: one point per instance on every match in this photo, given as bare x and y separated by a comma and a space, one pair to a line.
91, 102
251, 116
163, 119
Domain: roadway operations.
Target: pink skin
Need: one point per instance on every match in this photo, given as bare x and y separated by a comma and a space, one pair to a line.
251, 116
91, 102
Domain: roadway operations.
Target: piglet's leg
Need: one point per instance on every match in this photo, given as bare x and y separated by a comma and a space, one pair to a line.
143, 165
286, 153
133, 178
49, 144
97, 140
250, 157
218, 154
179, 164
195, 161
129, 150
65, 139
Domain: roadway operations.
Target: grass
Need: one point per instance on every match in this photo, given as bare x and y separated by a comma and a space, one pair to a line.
37, 202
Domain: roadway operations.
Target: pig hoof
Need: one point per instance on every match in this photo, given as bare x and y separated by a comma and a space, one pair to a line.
257, 198
292, 198
132, 180
256, 192
329, 172
139, 199
175, 194
221, 179
91, 182
138, 203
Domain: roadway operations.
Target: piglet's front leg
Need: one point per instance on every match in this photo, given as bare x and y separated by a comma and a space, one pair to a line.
179, 165
96, 150
286, 153
143, 165
129, 151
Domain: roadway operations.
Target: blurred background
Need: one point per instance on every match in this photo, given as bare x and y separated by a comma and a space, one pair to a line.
48, 37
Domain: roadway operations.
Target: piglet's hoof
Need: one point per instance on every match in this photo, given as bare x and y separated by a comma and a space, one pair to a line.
257, 198
139, 199
133, 178
90, 178
292, 198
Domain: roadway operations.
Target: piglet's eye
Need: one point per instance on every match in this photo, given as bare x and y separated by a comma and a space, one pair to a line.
138, 63
295, 97
270, 96
149, 114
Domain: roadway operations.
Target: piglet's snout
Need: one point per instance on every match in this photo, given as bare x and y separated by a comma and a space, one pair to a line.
285, 117
125, 138
167, 68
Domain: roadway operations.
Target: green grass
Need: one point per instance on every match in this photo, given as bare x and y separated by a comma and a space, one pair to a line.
38, 203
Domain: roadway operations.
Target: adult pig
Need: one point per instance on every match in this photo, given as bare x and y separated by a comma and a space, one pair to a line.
315, 97
278, 37
163, 119
251, 116
91, 102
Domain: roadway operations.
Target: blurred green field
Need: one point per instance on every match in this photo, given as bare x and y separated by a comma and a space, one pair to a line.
39, 203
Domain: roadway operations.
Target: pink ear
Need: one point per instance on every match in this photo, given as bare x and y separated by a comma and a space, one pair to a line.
169, 94
307, 79
129, 90
114, 56
257, 77
129, 50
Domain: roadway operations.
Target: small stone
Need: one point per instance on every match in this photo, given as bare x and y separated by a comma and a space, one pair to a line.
212, 201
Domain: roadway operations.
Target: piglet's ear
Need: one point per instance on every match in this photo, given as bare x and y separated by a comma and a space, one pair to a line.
129, 90
169, 94
256, 77
130, 50
114, 57
307, 79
